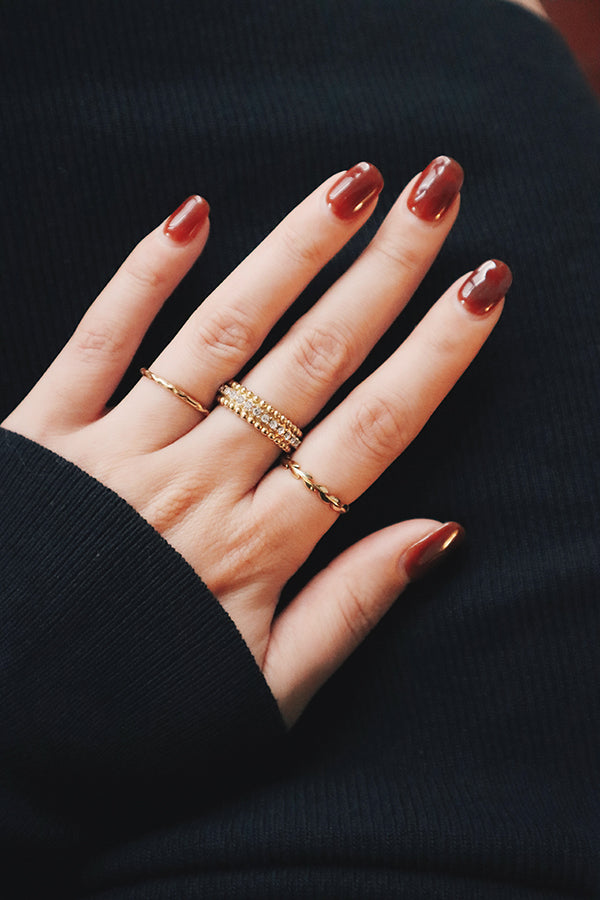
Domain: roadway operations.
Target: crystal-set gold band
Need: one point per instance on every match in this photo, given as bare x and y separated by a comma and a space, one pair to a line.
310, 484
175, 390
260, 414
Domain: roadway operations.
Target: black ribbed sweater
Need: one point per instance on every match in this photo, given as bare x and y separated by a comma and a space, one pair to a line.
457, 754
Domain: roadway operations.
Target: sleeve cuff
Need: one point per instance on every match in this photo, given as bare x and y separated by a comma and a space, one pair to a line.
120, 670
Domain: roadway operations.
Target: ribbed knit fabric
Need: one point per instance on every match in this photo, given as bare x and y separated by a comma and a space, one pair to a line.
457, 754
112, 654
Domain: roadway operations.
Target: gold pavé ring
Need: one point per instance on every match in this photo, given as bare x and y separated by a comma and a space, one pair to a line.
310, 484
260, 414
175, 390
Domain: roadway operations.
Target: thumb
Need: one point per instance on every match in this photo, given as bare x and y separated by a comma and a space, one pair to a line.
333, 614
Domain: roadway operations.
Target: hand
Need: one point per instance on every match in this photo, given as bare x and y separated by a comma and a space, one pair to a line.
208, 484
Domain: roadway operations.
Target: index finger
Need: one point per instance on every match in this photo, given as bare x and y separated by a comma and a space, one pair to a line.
231, 324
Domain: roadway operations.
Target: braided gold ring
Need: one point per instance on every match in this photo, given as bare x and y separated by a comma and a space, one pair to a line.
260, 414
175, 390
310, 484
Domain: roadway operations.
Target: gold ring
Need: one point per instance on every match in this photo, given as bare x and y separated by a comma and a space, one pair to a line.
175, 390
310, 484
260, 414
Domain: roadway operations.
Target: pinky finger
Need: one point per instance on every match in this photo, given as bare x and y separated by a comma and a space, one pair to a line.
83, 377
335, 612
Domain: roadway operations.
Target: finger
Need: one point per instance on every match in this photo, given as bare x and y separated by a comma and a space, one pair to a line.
81, 380
232, 323
350, 449
327, 344
335, 612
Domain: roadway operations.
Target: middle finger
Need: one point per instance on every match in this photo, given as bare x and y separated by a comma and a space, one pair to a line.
329, 342
230, 325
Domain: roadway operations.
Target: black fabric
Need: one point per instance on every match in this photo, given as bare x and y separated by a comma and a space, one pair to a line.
457, 754
113, 653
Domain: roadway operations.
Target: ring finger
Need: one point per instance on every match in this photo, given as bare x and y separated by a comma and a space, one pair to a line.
353, 445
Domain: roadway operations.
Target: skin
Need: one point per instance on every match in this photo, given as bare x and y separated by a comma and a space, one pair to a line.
209, 485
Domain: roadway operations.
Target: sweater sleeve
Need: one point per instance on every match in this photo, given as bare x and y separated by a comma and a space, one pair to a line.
126, 692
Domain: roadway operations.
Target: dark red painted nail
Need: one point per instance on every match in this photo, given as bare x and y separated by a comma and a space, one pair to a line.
187, 220
435, 190
485, 287
351, 193
432, 549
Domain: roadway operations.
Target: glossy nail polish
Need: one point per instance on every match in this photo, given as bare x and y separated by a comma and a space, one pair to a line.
432, 549
485, 287
187, 220
357, 187
435, 190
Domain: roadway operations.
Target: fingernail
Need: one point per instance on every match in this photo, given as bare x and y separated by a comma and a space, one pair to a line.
187, 220
432, 549
351, 193
485, 287
435, 190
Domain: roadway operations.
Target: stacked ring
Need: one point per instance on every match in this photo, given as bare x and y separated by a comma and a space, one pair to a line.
260, 414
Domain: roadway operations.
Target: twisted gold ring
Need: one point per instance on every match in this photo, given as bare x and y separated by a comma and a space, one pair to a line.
260, 414
175, 390
310, 484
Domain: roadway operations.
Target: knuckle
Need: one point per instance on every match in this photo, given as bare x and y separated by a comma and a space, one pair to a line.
301, 250
228, 333
381, 429
324, 354
444, 344
142, 275
400, 253
97, 339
